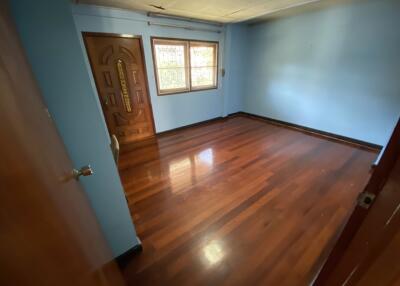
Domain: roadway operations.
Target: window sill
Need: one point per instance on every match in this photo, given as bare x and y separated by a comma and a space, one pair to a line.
186, 91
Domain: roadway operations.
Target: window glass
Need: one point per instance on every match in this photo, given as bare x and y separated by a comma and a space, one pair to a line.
171, 62
177, 61
203, 65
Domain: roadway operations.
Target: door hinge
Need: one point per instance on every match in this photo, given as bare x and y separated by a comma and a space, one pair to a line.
365, 199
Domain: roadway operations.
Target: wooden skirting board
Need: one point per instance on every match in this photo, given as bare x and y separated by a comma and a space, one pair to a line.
308, 130
327, 135
191, 125
123, 259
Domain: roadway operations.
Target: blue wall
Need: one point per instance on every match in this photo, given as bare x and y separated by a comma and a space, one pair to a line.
49, 37
235, 61
170, 111
335, 70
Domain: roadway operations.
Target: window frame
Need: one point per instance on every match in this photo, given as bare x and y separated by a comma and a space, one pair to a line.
189, 72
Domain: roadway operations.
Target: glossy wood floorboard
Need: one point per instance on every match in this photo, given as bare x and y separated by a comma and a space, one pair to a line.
238, 202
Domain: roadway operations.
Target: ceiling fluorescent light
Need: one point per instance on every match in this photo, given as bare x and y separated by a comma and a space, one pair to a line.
179, 18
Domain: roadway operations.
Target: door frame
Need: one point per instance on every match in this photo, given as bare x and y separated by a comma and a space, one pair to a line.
116, 35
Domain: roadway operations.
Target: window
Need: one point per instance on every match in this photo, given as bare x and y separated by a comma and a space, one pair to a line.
171, 63
183, 65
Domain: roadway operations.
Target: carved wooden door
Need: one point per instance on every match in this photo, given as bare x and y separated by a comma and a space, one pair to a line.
118, 68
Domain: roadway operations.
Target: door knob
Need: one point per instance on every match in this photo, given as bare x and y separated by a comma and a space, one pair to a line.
84, 171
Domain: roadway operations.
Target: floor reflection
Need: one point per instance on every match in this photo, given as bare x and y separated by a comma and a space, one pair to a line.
213, 252
186, 171
205, 157
180, 174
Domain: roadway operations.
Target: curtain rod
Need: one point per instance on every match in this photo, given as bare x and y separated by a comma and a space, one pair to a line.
184, 27
180, 18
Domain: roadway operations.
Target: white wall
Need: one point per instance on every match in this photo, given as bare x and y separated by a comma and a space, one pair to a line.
169, 111
235, 62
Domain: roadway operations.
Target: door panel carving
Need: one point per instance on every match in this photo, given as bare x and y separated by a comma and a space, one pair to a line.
139, 97
107, 79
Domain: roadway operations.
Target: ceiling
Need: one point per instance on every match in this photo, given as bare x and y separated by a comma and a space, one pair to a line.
224, 11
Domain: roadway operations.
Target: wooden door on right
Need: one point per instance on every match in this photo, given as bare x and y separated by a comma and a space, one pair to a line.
368, 250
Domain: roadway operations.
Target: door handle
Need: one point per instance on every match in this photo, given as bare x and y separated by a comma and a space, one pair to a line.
84, 171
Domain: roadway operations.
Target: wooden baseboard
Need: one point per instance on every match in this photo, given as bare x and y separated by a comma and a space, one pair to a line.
190, 125
327, 135
239, 113
125, 257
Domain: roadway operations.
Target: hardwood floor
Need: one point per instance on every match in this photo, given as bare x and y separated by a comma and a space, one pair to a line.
238, 202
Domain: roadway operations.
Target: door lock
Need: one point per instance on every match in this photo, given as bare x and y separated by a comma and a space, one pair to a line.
84, 171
